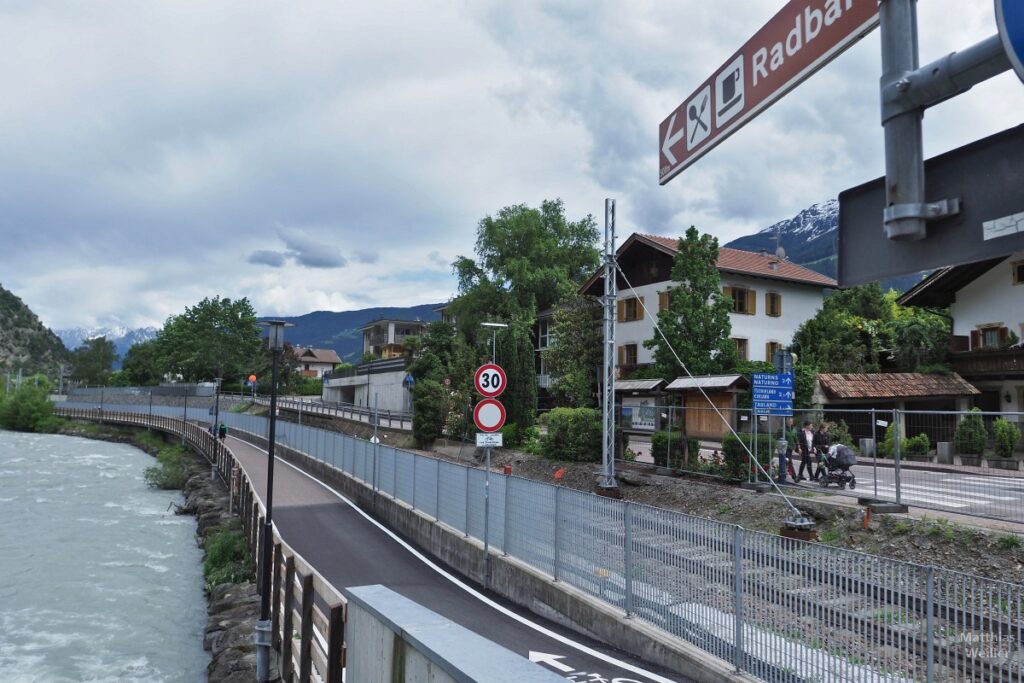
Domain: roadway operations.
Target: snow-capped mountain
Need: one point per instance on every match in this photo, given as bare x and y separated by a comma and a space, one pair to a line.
810, 239
122, 337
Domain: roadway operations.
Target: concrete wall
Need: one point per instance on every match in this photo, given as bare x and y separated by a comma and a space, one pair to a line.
391, 639
799, 303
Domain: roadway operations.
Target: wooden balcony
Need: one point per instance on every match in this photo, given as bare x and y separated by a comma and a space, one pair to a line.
994, 364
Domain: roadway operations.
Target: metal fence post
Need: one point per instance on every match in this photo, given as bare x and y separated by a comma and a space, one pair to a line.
627, 522
558, 526
930, 624
668, 451
737, 555
896, 428
874, 450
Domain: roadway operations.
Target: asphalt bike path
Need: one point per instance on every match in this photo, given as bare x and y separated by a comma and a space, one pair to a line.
351, 549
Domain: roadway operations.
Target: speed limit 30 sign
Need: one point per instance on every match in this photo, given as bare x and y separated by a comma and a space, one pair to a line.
490, 380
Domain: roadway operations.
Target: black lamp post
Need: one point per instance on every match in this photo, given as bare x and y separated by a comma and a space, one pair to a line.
275, 342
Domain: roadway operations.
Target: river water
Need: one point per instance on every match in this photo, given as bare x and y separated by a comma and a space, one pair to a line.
98, 580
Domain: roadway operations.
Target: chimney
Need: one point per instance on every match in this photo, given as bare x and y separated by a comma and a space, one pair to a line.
773, 264
763, 252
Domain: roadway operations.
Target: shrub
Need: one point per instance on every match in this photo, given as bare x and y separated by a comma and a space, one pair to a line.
660, 450
970, 435
511, 435
428, 412
169, 472
888, 445
916, 445
227, 558
736, 455
573, 434
1006, 435
840, 433
28, 409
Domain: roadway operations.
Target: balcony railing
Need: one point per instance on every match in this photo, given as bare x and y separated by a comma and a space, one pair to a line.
983, 363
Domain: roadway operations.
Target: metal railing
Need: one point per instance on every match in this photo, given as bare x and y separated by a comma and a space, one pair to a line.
780, 609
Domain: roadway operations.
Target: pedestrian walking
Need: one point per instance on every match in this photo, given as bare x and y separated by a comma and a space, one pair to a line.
822, 441
806, 443
223, 432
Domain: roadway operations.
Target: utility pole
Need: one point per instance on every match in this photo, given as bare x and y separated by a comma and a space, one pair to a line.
607, 480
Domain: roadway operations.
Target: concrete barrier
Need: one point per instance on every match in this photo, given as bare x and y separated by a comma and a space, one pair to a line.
391, 639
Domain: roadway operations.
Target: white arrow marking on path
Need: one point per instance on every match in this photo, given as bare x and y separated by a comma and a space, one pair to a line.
671, 139
550, 660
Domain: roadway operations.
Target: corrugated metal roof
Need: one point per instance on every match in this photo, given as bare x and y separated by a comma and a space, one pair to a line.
638, 384
704, 382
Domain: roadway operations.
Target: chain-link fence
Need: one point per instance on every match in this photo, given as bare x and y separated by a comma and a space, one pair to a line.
780, 609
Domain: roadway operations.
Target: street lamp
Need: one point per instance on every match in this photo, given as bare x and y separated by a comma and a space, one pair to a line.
487, 471
275, 342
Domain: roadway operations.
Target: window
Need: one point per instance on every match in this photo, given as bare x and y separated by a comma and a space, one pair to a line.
631, 309
773, 304
1018, 272
543, 333
769, 351
664, 298
744, 301
989, 337
741, 349
627, 355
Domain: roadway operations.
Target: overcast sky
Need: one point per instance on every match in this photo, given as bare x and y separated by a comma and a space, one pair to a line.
338, 155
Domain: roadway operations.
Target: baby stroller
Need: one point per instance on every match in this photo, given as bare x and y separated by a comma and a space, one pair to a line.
834, 467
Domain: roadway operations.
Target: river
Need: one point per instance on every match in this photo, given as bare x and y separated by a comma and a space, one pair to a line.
98, 580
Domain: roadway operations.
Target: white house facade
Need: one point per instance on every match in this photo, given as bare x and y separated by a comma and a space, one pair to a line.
771, 297
986, 303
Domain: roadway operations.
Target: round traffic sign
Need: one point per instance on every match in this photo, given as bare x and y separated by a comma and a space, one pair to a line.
252, 378
490, 380
489, 415
1010, 20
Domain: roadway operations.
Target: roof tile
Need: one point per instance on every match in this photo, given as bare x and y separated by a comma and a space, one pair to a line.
894, 385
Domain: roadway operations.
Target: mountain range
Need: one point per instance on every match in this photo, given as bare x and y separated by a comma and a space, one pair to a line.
25, 343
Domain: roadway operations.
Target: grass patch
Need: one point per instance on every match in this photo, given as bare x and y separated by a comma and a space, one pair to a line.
942, 528
240, 407
903, 526
169, 472
149, 441
1008, 541
831, 536
227, 557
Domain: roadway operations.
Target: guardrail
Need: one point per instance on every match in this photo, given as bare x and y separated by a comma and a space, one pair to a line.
388, 419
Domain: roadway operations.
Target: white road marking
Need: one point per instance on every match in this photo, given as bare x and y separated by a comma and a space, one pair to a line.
917, 496
550, 660
957, 492
476, 594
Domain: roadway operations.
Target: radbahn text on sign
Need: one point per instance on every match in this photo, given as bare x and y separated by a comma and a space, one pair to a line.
803, 37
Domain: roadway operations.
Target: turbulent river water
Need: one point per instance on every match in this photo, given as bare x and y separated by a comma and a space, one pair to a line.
98, 580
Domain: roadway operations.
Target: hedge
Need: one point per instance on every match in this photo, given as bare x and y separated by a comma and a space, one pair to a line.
573, 434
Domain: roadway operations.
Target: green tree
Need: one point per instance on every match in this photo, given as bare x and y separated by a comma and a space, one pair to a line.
696, 321
141, 364
523, 258
215, 338
517, 356
575, 350
438, 354
93, 361
428, 405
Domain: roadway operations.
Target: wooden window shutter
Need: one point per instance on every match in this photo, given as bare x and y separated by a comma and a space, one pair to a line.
662, 301
778, 304
727, 292
768, 352
975, 339
1004, 335
751, 302
622, 355
640, 308
621, 307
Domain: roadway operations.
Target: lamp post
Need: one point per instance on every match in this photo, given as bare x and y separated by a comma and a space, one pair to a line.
487, 471
275, 342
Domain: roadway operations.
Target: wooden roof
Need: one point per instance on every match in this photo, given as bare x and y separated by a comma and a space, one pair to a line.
894, 385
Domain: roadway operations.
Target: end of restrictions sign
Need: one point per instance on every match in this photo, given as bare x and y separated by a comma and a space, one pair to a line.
803, 37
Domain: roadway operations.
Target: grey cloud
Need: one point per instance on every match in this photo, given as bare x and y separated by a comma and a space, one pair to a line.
310, 253
274, 259
366, 256
436, 258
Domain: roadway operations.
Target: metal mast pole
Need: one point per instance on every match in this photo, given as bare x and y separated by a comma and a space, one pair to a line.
607, 480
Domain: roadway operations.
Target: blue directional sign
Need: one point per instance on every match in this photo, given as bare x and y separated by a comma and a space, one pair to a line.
773, 393
1010, 19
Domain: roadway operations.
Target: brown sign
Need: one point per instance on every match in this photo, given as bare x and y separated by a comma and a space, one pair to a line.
803, 37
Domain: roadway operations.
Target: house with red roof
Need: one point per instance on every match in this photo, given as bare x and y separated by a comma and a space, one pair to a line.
771, 297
